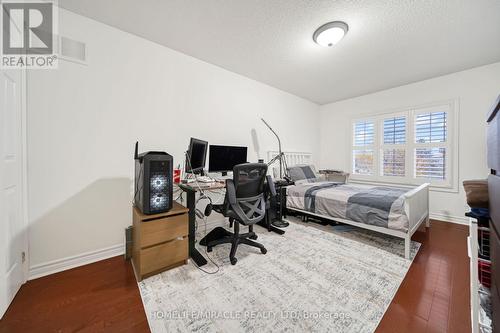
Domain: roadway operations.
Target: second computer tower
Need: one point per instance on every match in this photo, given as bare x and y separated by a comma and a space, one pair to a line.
153, 188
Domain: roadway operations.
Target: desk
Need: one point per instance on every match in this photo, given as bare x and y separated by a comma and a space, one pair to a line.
191, 190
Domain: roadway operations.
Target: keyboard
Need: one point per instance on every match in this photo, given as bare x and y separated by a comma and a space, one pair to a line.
204, 179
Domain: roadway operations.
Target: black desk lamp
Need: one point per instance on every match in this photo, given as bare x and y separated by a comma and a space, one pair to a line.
282, 160
280, 156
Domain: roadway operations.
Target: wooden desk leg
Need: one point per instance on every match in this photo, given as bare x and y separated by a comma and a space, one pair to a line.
193, 252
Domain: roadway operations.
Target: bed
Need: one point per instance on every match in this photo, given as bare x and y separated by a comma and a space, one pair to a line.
391, 210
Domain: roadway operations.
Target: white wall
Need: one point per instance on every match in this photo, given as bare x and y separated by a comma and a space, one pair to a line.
475, 90
84, 120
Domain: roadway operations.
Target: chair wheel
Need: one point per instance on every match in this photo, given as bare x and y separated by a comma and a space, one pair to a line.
233, 261
209, 249
263, 251
254, 237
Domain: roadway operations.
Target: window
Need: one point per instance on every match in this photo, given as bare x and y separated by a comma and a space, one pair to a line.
393, 149
395, 130
430, 138
430, 163
394, 162
364, 133
430, 127
364, 139
408, 147
363, 162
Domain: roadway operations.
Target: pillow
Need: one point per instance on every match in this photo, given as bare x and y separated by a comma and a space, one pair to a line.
303, 172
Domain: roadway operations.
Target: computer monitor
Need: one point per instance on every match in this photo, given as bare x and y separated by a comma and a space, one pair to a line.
196, 156
224, 158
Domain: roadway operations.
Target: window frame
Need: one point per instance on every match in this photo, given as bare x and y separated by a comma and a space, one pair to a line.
451, 107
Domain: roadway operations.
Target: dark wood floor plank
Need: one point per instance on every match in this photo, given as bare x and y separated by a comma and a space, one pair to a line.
103, 297
436, 288
100, 297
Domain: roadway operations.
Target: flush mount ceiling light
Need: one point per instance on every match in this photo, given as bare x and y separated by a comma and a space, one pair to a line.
331, 33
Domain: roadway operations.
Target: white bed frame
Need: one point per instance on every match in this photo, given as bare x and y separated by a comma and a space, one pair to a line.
416, 208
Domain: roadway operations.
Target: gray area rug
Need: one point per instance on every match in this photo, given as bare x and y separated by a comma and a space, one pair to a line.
312, 279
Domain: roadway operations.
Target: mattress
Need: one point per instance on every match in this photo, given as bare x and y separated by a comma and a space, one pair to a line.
381, 206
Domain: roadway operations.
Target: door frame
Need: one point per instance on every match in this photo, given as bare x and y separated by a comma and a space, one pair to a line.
21, 75
24, 187
24, 171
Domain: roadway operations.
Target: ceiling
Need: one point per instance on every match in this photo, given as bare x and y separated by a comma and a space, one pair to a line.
389, 43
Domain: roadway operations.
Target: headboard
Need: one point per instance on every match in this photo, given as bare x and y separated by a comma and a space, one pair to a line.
292, 158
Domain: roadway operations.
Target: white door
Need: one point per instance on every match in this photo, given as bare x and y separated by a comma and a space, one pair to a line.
13, 240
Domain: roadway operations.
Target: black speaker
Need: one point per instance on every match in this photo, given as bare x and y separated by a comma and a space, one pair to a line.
153, 181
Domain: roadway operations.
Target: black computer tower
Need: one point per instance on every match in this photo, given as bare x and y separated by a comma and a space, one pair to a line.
153, 182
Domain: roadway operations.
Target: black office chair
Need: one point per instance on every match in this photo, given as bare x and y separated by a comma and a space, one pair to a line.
244, 203
270, 197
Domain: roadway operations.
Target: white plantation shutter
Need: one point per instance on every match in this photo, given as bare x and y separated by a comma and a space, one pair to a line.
395, 130
412, 146
364, 133
430, 163
430, 127
393, 161
363, 162
362, 151
431, 140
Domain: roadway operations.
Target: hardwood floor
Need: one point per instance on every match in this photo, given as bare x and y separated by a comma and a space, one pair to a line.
434, 296
100, 297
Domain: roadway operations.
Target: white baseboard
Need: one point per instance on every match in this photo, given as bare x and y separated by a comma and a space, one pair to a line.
63, 264
449, 218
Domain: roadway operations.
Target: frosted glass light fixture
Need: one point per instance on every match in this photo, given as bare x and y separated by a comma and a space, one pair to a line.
330, 33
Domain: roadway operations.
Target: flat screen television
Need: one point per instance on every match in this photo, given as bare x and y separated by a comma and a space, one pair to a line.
224, 158
196, 156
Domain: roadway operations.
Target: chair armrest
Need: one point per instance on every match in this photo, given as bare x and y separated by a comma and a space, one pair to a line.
270, 184
231, 191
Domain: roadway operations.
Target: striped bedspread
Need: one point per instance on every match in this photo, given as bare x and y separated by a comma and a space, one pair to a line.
375, 205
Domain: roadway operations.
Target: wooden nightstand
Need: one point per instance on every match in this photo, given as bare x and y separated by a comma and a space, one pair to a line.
160, 241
